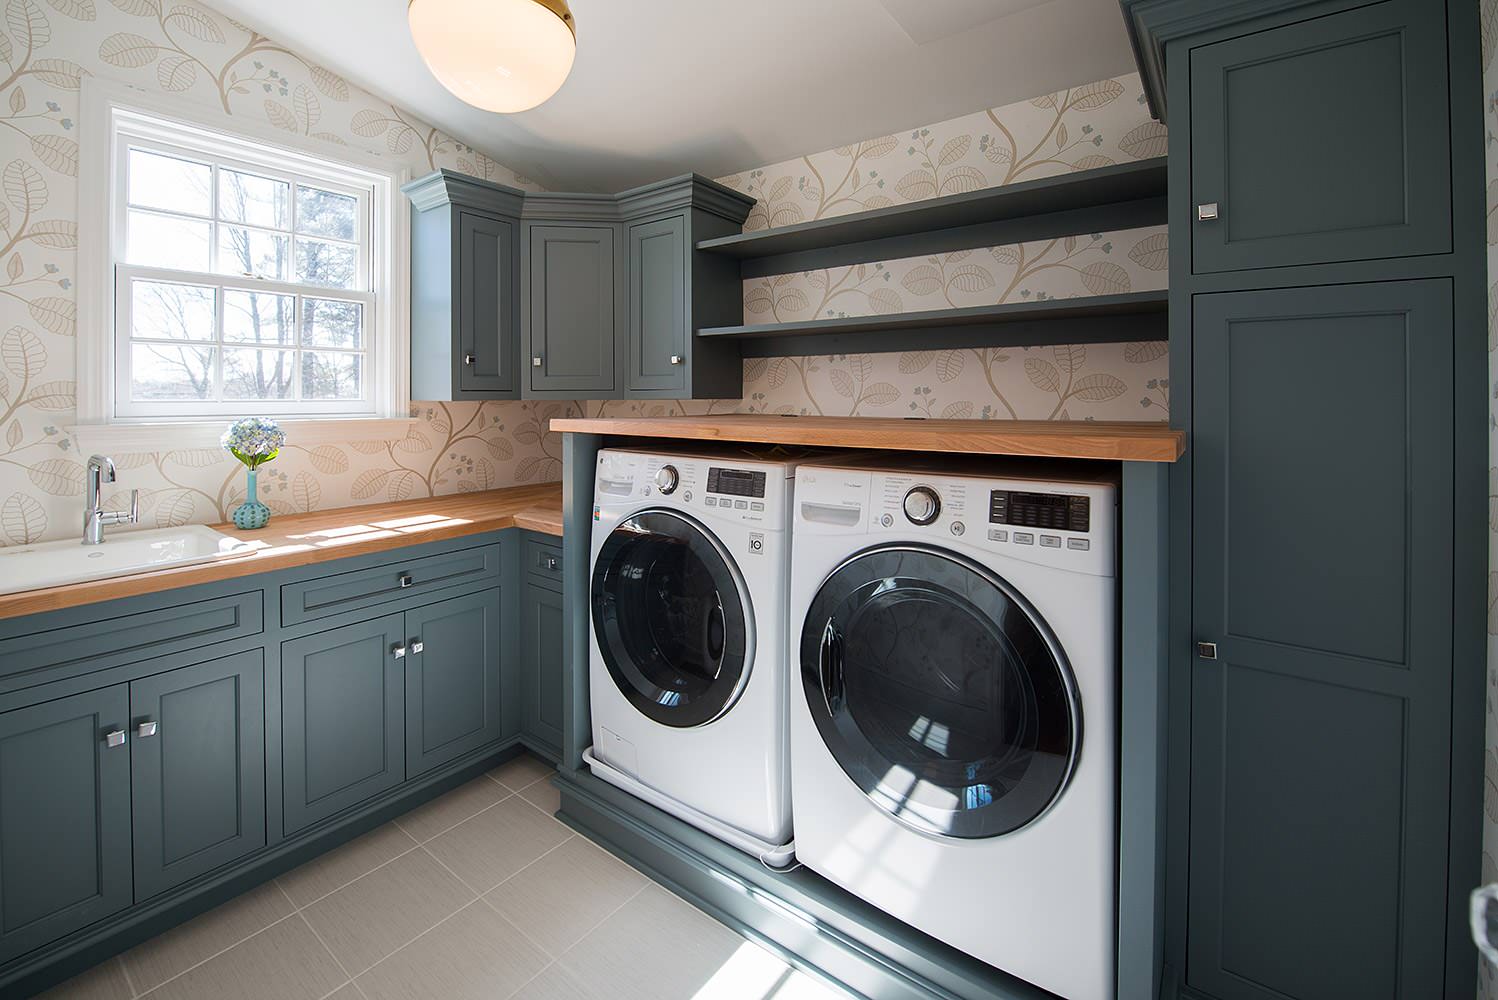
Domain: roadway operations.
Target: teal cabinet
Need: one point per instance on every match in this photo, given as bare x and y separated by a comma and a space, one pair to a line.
542, 665
64, 817
343, 720
465, 274
1322, 140
572, 331
1322, 566
197, 766
658, 327
454, 682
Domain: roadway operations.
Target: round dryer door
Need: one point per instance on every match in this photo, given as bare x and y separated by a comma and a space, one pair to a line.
940, 691
672, 618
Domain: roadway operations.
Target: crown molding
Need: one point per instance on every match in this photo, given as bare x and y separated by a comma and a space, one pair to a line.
686, 191
448, 187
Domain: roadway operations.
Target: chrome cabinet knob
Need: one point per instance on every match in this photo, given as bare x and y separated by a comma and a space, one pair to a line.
398, 651
147, 729
677, 359
114, 738
470, 360
551, 562
418, 646
1206, 212
536, 361
405, 580
1207, 650
922, 505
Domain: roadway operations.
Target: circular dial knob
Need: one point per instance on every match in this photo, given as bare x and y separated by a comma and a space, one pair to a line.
666, 478
922, 504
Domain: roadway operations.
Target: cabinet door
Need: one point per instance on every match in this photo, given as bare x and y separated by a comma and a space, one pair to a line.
1323, 140
572, 331
64, 817
197, 769
453, 699
486, 305
658, 334
1322, 565
541, 655
342, 718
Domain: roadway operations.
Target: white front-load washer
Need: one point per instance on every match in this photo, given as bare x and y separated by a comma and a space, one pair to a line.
687, 674
953, 729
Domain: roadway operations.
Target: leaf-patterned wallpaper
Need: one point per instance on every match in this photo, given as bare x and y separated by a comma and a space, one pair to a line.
46, 48
1487, 977
1078, 129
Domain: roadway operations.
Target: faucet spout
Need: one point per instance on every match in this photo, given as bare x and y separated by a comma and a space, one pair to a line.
100, 471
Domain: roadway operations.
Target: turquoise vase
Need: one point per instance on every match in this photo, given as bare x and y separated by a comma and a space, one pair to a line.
252, 513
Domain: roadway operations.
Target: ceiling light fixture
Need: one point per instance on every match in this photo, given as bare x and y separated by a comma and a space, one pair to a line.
499, 55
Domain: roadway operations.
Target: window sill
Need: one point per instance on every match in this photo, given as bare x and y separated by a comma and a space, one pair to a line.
127, 438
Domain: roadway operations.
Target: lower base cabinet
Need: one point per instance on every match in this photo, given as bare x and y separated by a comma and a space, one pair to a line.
541, 660
453, 695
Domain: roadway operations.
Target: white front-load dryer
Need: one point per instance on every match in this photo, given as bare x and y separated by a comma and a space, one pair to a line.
687, 677
953, 722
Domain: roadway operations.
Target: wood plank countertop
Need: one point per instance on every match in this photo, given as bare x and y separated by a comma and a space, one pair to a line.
1128, 442
299, 539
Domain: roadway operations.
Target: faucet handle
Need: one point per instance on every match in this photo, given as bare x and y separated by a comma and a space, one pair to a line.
134, 516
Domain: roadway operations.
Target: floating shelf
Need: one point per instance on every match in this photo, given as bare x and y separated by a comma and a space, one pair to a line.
1092, 319
1121, 196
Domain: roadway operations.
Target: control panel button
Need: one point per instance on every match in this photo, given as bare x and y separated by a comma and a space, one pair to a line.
710, 501
756, 506
1024, 538
998, 535
666, 478
1050, 541
687, 496
922, 505
741, 505
958, 528
887, 520
1079, 544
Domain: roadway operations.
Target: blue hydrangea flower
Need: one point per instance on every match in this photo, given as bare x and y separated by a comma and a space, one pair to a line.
253, 440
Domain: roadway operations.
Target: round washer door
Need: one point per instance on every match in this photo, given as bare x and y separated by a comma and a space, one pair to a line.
672, 618
940, 691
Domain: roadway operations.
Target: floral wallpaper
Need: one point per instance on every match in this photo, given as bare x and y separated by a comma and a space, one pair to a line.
1078, 129
47, 47
1487, 977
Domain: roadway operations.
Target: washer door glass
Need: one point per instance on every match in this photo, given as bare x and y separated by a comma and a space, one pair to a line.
940, 691
671, 618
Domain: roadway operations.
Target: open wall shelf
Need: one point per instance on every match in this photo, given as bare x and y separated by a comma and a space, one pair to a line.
1091, 319
1121, 196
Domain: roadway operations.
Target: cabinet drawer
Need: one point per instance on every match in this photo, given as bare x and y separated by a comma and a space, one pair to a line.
328, 595
112, 642
543, 560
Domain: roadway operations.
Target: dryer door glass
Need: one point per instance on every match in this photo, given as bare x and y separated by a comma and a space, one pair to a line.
940, 691
671, 618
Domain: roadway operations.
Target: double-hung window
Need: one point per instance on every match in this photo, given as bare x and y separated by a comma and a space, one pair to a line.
246, 278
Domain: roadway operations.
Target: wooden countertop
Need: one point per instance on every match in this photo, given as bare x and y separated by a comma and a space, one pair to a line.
300, 539
1128, 442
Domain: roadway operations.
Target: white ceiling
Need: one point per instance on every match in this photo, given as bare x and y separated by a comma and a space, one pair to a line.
662, 87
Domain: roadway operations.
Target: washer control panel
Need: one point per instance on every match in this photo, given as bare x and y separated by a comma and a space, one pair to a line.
744, 491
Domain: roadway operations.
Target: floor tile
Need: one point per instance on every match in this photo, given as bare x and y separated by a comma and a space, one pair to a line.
656, 947
283, 962
474, 955
103, 982
552, 984
153, 962
374, 915
497, 843
544, 796
522, 771
348, 992
566, 894
447, 811
342, 865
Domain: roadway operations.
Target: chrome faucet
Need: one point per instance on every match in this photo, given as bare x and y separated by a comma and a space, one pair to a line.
101, 471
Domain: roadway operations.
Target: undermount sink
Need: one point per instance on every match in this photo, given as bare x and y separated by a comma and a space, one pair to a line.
51, 564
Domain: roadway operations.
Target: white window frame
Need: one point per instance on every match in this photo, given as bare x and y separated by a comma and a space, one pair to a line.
115, 117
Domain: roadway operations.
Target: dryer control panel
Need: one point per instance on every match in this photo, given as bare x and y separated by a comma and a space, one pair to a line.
743, 491
1066, 524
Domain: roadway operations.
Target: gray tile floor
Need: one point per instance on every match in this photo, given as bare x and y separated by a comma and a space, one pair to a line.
478, 895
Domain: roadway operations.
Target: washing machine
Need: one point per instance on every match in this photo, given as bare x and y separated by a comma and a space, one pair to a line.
687, 677
953, 727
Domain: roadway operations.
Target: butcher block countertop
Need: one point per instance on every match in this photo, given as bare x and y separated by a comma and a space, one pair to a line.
299, 539
1127, 442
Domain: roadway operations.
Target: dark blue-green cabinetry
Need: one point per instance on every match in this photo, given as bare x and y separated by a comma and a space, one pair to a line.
465, 304
571, 331
454, 697
64, 817
343, 719
542, 661
197, 763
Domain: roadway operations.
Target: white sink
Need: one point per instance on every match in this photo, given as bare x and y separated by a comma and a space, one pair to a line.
51, 564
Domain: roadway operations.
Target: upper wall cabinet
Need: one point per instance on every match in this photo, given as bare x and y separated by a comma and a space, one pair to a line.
465, 273
1336, 130
573, 295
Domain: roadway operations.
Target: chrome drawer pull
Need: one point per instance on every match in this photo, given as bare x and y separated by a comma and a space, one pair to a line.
418, 646
398, 651
405, 580
114, 738
147, 729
